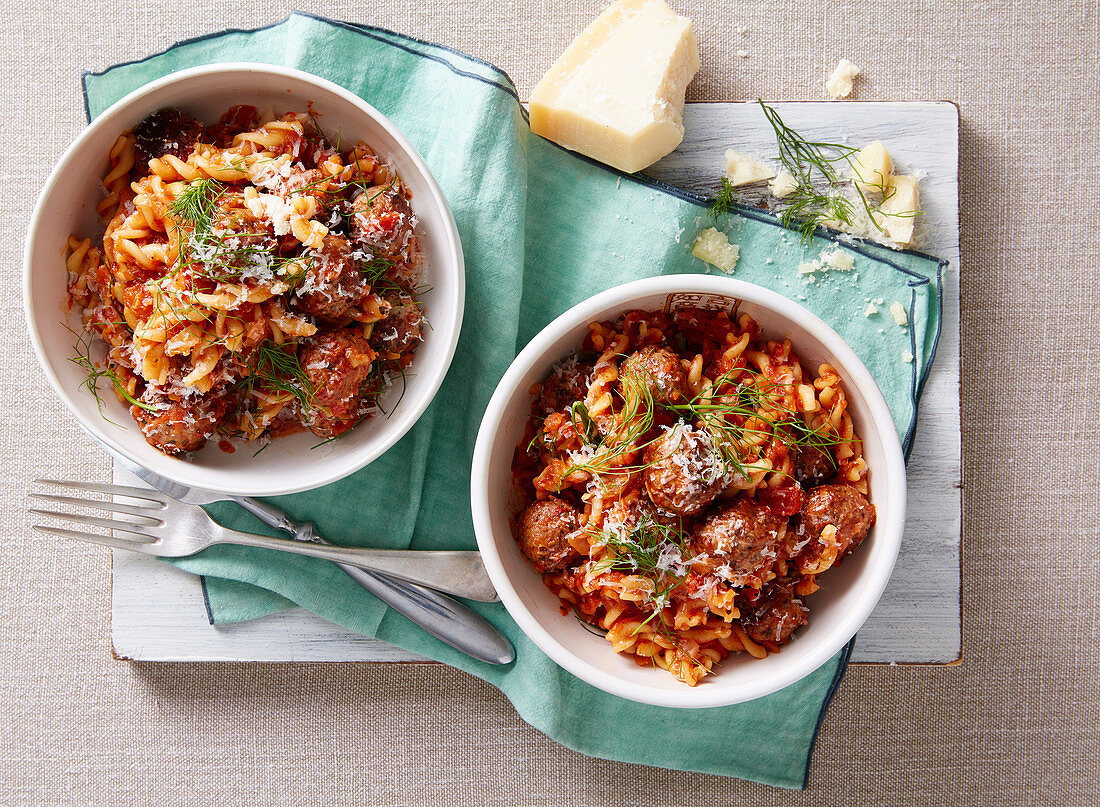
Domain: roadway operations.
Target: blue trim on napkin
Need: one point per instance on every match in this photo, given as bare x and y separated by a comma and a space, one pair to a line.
206, 600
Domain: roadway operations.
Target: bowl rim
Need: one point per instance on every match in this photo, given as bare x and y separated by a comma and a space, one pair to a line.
191, 474
873, 579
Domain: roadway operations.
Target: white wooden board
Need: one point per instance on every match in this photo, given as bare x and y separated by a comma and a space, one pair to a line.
158, 612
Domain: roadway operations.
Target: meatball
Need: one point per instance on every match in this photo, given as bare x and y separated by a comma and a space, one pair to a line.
239, 118
544, 528
655, 369
168, 131
401, 330
841, 506
178, 426
567, 384
383, 222
773, 618
745, 535
813, 466
336, 363
683, 471
333, 282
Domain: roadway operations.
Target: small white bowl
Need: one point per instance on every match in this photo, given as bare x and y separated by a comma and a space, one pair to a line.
67, 206
848, 592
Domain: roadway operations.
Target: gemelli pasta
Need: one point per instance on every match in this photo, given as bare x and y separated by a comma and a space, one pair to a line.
253, 278
684, 481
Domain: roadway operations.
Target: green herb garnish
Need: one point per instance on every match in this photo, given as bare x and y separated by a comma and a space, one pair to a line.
197, 203
635, 420
583, 423
642, 549
271, 368
645, 551
376, 272
723, 202
810, 205
277, 369
740, 407
83, 359
733, 416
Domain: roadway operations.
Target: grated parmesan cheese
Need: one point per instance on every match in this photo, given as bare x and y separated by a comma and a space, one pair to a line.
274, 208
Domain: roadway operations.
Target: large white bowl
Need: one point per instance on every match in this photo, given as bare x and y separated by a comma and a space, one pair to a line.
848, 593
67, 206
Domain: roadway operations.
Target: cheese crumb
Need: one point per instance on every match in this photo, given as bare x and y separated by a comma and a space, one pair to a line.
742, 169
839, 84
783, 185
871, 309
744, 54
897, 214
897, 311
714, 248
893, 219
838, 259
828, 260
273, 208
872, 168
907, 356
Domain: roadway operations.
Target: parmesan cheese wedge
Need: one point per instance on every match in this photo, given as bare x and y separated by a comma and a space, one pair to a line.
617, 93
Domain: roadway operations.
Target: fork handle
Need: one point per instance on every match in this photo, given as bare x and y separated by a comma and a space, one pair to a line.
460, 573
274, 517
453, 572
444, 618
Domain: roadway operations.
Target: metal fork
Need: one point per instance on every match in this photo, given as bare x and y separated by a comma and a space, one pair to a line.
160, 525
155, 524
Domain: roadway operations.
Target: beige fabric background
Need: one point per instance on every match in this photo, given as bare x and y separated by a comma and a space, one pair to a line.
1017, 722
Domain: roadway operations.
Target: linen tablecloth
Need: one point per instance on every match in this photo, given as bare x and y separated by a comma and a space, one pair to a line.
1015, 722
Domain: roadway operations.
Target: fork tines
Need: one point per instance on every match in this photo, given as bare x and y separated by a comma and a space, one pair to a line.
131, 517
148, 494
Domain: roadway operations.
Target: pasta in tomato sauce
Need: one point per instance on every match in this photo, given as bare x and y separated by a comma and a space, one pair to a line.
684, 481
253, 278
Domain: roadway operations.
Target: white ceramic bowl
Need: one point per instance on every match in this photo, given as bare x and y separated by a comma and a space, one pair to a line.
848, 593
67, 206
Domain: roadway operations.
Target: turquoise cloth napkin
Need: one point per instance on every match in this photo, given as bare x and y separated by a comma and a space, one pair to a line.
542, 229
